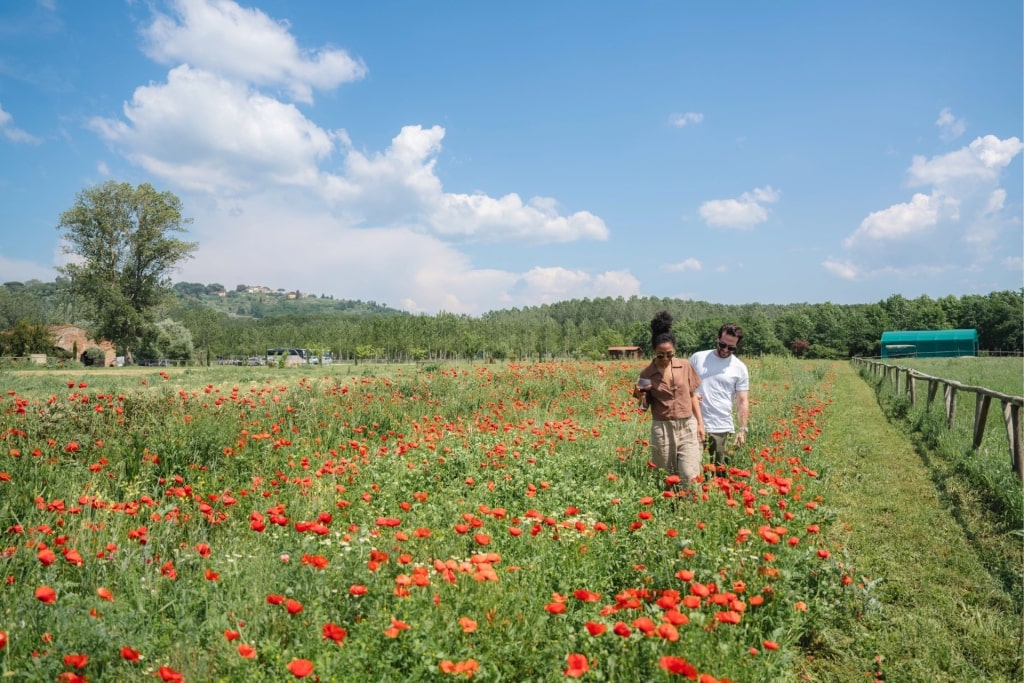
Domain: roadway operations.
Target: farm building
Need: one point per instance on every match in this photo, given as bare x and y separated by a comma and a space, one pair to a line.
929, 343
624, 351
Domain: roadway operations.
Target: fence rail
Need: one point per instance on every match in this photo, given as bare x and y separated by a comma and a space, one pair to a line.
950, 389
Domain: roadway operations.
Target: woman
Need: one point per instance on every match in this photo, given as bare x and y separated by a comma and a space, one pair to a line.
677, 427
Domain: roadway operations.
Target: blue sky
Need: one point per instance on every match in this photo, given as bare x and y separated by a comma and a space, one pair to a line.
472, 156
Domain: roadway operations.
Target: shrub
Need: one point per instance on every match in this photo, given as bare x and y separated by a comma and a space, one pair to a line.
94, 356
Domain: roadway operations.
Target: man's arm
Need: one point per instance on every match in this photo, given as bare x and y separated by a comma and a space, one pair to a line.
742, 415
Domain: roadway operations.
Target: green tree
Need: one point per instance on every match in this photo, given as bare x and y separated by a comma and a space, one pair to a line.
169, 339
26, 339
121, 238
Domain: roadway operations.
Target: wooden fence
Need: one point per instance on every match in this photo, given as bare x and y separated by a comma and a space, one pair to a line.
950, 389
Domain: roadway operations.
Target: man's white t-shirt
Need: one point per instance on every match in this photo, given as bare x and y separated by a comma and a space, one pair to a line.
720, 378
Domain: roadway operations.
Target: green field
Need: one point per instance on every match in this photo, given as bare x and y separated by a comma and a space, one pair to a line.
1005, 375
494, 522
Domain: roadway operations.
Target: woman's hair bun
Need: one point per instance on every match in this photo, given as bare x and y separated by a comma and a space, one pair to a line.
661, 323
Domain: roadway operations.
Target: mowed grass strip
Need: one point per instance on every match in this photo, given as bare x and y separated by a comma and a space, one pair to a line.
931, 611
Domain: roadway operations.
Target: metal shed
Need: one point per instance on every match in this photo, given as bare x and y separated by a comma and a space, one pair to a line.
929, 343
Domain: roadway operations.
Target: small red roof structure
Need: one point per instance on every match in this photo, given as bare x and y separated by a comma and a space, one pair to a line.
624, 351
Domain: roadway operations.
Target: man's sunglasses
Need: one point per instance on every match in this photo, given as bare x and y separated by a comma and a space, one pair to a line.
723, 345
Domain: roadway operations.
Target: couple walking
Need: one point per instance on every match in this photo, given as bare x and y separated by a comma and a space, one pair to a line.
692, 401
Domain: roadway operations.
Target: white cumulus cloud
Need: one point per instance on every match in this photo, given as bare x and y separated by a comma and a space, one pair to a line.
950, 127
744, 212
956, 225
982, 160
690, 265
917, 216
246, 44
201, 131
11, 132
681, 120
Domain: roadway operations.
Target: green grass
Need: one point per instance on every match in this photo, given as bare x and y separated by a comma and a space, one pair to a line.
1005, 375
932, 608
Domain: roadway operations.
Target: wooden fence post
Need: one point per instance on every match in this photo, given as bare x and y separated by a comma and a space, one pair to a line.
1012, 406
980, 415
1011, 416
950, 394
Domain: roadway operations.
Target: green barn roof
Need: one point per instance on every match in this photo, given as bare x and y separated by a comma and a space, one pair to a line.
929, 343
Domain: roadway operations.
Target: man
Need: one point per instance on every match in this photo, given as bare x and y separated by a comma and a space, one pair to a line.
725, 381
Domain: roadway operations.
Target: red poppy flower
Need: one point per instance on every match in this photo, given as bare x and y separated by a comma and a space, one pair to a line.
482, 539
231, 635
247, 651
620, 629
293, 606
129, 655
468, 667
684, 575
397, 626
770, 644
645, 625
168, 674
315, 561
46, 595
105, 594
586, 596
468, 625
357, 589
334, 632
676, 618
76, 661
678, 665
578, 665
668, 632
274, 599
300, 668
46, 556
3, 639
728, 617
555, 607
595, 628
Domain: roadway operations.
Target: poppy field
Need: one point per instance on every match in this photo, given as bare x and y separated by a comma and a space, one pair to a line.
495, 522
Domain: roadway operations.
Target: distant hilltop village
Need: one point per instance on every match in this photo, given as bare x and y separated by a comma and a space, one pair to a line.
260, 289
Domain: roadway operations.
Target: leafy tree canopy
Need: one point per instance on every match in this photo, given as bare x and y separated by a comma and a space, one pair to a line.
123, 251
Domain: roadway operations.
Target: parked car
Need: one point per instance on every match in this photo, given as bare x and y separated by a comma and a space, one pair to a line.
255, 360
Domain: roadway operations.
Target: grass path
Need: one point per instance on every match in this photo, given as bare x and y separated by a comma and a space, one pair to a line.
931, 612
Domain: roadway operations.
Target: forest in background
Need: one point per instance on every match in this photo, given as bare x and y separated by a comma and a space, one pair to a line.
208, 322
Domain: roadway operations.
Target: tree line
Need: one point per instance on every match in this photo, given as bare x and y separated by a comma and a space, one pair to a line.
191, 327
